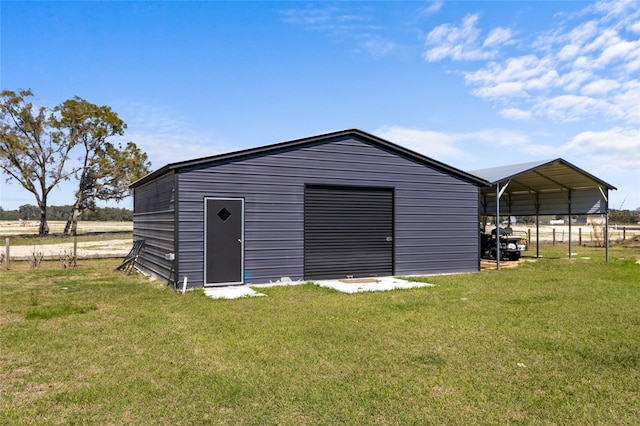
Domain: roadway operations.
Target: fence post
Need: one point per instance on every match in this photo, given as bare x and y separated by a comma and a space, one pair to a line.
624, 233
7, 253
554, 236
74, 262
580, 236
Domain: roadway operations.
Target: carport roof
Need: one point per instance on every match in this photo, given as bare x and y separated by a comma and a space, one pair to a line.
541, 176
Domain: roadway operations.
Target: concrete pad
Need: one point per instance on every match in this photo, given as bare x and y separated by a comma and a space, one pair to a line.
284, 281
345, 285
356, 285
238, 291
231, 292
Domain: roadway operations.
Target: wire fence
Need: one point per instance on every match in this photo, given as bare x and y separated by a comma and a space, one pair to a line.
590, 235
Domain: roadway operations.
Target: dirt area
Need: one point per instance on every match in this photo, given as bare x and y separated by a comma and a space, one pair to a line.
491, 264
30, 227
89, 249
633, 242
584, 233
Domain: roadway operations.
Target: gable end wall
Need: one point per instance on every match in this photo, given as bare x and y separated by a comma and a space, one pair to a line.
436, 215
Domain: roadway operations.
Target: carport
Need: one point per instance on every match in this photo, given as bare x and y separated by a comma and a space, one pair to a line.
550, 187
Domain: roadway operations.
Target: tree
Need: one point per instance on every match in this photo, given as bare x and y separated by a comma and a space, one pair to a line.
28, 212
107, 177
106, 169
104, 214
37, 145
32, 151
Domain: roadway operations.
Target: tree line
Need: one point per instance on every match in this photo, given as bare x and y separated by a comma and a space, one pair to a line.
624, 216
30, 212
41, 147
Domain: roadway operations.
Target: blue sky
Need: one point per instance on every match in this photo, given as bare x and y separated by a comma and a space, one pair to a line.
472, 84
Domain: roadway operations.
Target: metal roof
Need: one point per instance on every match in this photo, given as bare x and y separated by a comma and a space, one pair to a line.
543, 187
541, 176
297, 143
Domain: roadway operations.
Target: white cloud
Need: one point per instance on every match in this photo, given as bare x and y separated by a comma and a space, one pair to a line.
583, 69
582, 73
499, 137
606, 38
376, 46
568, 52
515, 114
322, 18
580, 34
462, 43
437, 145
343, 23
434, 7
165, 148
619, 139
607, 100
456, 148
583, 63
497, 37
573, 80
625, 104
621, 50
615, 9
633, 64
514, 78
569, 108
600, 87
508, 89
615, 148
164, 136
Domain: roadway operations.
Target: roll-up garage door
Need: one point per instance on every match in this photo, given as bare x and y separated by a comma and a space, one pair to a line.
348, 232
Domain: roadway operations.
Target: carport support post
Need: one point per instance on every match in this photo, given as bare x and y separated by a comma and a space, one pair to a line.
569, 224
498, 226
537, 204
537, 235
606, 235
606, 222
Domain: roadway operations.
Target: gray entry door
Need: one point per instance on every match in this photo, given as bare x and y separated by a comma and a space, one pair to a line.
224, 241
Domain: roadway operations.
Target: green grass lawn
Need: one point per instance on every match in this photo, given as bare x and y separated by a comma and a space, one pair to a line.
555, 341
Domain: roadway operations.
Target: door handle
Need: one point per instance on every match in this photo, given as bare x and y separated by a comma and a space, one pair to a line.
240, 240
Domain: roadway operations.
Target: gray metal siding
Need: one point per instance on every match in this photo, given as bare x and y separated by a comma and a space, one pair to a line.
587, 201
435, 213
154, 222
